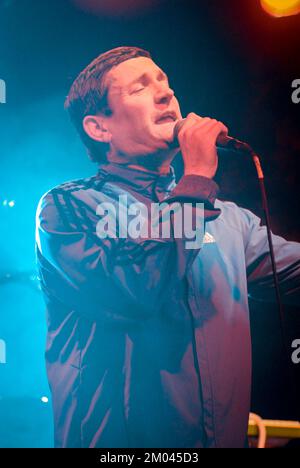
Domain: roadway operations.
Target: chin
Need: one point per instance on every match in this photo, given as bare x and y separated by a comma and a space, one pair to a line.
167, 137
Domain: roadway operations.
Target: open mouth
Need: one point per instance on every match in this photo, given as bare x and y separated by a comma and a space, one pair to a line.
169, 117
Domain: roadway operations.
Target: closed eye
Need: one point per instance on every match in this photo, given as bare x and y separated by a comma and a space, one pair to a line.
137, 90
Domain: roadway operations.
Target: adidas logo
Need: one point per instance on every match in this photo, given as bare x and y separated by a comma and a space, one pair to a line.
209, 239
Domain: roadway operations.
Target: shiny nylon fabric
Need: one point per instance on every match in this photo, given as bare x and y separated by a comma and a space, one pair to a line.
149, 345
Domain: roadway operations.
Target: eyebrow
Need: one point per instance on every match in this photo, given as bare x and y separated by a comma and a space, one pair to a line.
146, 75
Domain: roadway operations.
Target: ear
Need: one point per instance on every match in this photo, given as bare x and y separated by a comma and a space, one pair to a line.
95, 127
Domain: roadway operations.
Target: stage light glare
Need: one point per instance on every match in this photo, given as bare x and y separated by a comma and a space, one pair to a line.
5, 202
280, 8
11, 204
45, 399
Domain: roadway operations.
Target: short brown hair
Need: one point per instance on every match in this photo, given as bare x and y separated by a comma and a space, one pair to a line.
88, 94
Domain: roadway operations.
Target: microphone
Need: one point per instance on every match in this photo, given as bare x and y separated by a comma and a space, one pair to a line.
223, 141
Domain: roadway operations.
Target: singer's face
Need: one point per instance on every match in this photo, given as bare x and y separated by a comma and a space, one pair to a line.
144, 108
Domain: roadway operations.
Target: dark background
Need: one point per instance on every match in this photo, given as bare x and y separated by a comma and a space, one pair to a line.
225, 58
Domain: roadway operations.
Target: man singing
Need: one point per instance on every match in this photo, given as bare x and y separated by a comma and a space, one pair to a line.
149, 341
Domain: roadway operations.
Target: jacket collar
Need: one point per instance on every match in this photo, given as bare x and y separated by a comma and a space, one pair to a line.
146, 182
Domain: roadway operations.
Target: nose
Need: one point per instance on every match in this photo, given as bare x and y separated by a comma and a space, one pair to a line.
163, 94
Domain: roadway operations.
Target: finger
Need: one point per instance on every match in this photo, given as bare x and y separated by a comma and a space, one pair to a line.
192, 127
186, 128
213, 124
194, 123
212, 128
193, 120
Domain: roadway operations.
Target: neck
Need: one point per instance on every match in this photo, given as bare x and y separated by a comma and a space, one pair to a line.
159, 162
160, 169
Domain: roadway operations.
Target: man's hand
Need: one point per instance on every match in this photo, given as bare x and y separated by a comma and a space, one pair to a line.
197, 139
